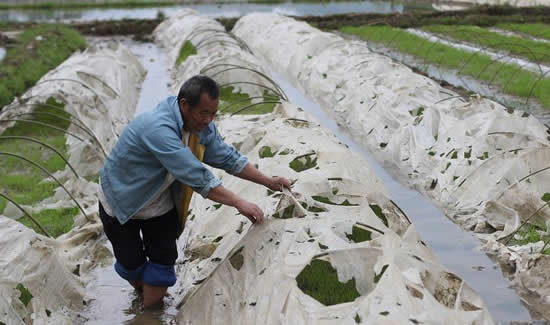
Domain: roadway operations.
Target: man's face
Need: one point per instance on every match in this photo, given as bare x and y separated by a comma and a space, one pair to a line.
197, 118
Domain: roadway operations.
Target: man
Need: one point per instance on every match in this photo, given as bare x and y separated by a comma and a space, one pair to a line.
142, 178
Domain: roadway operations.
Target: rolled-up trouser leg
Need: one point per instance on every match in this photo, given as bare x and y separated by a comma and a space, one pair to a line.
159, 238
159, 275
131, 275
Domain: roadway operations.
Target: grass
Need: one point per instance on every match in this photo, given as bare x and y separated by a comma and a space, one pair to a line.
511, 79
535, 30
320, 281
528, 234
528, 49
239, 100
20, 180
38, 50
186, 50
55, 221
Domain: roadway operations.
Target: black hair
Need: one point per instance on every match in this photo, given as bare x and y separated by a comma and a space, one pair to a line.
192, 89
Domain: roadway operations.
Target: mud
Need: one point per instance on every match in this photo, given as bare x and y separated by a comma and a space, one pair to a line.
481, 16
140, 29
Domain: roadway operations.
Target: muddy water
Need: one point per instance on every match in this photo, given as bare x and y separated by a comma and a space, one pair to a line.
213, 10
113, 300
456, 249
155, 85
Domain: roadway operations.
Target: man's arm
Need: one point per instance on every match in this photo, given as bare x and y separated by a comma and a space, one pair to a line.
252, 174
250, 210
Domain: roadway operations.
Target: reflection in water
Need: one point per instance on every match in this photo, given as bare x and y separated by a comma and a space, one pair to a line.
212, 10
113, 300
2, 53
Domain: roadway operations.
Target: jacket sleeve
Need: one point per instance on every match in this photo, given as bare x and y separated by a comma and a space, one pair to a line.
218, 154
167, 147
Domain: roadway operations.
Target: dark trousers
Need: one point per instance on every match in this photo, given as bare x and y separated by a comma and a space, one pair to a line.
156, 244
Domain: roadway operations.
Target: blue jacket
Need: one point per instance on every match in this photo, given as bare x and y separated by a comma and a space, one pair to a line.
148, 148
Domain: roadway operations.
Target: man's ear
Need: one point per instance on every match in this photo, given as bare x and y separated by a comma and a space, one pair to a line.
183, 105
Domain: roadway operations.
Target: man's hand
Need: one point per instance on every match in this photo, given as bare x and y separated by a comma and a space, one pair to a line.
277, 184
250, 210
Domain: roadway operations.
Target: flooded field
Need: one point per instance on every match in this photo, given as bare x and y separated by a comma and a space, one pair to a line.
108, 299
212, 10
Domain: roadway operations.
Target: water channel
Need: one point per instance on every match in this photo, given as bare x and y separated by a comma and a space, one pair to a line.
456, 249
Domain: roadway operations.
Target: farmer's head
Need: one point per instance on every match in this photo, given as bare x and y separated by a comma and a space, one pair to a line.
198, 102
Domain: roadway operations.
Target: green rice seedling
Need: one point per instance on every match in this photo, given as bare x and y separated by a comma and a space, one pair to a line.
22, 181
241, 103
265, 152
535, 30
320, 281
304, 162
511, 78
326, 200
359, 235
38, 49
25, 296
55, 221
378, 211
528, 49
186, 50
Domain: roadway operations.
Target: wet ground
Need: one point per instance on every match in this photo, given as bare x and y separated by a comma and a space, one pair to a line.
115, 302
456, 249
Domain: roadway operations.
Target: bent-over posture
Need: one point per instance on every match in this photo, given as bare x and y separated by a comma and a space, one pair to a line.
142, 179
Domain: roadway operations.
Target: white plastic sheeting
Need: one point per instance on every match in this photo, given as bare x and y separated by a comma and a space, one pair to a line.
207, 34
469, 154
99, 87
234, 273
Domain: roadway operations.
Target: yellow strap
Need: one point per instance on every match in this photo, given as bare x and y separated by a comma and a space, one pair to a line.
186, 192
